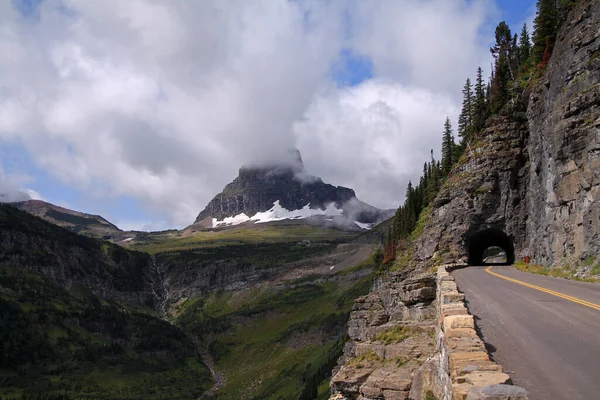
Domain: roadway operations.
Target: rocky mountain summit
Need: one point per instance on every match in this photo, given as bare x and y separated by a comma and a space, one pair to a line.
285, 191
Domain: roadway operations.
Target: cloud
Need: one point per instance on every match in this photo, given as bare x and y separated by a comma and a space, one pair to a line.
164, 101
433, 44
10, 190
33, 195
374, 137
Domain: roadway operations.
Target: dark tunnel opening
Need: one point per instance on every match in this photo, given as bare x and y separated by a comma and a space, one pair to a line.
483, 240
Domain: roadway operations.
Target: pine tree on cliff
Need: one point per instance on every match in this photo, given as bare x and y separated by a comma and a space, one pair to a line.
502, 52
564, 6
488, 97
388, 246
410, 208
433, 186
448, 148
479, 109
423, 184
524, 49
465, 120
545, 27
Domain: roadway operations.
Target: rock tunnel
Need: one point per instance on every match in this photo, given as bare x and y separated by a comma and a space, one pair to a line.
482, 240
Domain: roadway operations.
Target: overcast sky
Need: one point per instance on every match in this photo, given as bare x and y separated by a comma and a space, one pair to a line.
142, 110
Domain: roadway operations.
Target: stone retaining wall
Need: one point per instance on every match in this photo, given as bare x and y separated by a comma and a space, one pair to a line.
466, 371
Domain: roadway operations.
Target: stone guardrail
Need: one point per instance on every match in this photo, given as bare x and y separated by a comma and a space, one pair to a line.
467, 372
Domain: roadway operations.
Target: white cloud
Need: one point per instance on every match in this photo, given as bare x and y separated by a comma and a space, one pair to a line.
374, 137
433, 44
10, 189
147, 226
164, 101
33, 194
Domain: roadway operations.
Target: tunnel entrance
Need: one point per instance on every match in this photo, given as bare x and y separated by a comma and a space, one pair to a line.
490, 246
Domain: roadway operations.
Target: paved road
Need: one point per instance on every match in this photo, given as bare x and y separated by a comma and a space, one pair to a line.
547, 344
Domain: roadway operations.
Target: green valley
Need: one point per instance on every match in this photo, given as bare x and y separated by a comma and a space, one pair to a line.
264, 307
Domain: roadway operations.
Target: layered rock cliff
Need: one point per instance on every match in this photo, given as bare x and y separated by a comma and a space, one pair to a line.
564, 146
391, 334
487, 192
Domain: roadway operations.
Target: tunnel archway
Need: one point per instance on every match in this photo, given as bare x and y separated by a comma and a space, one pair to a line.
480, 241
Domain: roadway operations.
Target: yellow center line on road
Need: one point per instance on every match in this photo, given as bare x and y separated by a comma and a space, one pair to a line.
541, 289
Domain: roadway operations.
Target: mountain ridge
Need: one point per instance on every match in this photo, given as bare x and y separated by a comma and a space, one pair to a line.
76, 221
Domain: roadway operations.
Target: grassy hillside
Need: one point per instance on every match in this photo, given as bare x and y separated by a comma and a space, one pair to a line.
244, 234
277, 343
74, 343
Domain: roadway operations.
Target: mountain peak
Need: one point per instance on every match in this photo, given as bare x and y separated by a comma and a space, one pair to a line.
283, 190
290, 164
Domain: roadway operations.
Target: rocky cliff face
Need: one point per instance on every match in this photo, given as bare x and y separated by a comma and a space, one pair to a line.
533, 184
256, 189
564, 145
486, 193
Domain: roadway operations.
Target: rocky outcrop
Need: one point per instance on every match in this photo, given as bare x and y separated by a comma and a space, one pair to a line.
391, 334
485, 192
564, 145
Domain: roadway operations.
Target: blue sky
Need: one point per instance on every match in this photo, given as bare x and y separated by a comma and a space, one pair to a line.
352, 69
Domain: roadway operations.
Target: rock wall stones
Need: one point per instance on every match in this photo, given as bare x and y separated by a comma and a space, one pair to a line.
466, 370
406, 345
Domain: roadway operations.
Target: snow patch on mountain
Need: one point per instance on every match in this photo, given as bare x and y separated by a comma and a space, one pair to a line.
228, 221
279, 213
363, 225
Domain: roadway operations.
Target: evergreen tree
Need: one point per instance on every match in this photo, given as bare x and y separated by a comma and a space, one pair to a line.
502, 52
545, 27
524, 49
564, 6
488, 97
479, 109
434, 179
388, 249
465, 120
448, 147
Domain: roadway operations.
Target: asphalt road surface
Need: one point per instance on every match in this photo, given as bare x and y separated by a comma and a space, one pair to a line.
548, 343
